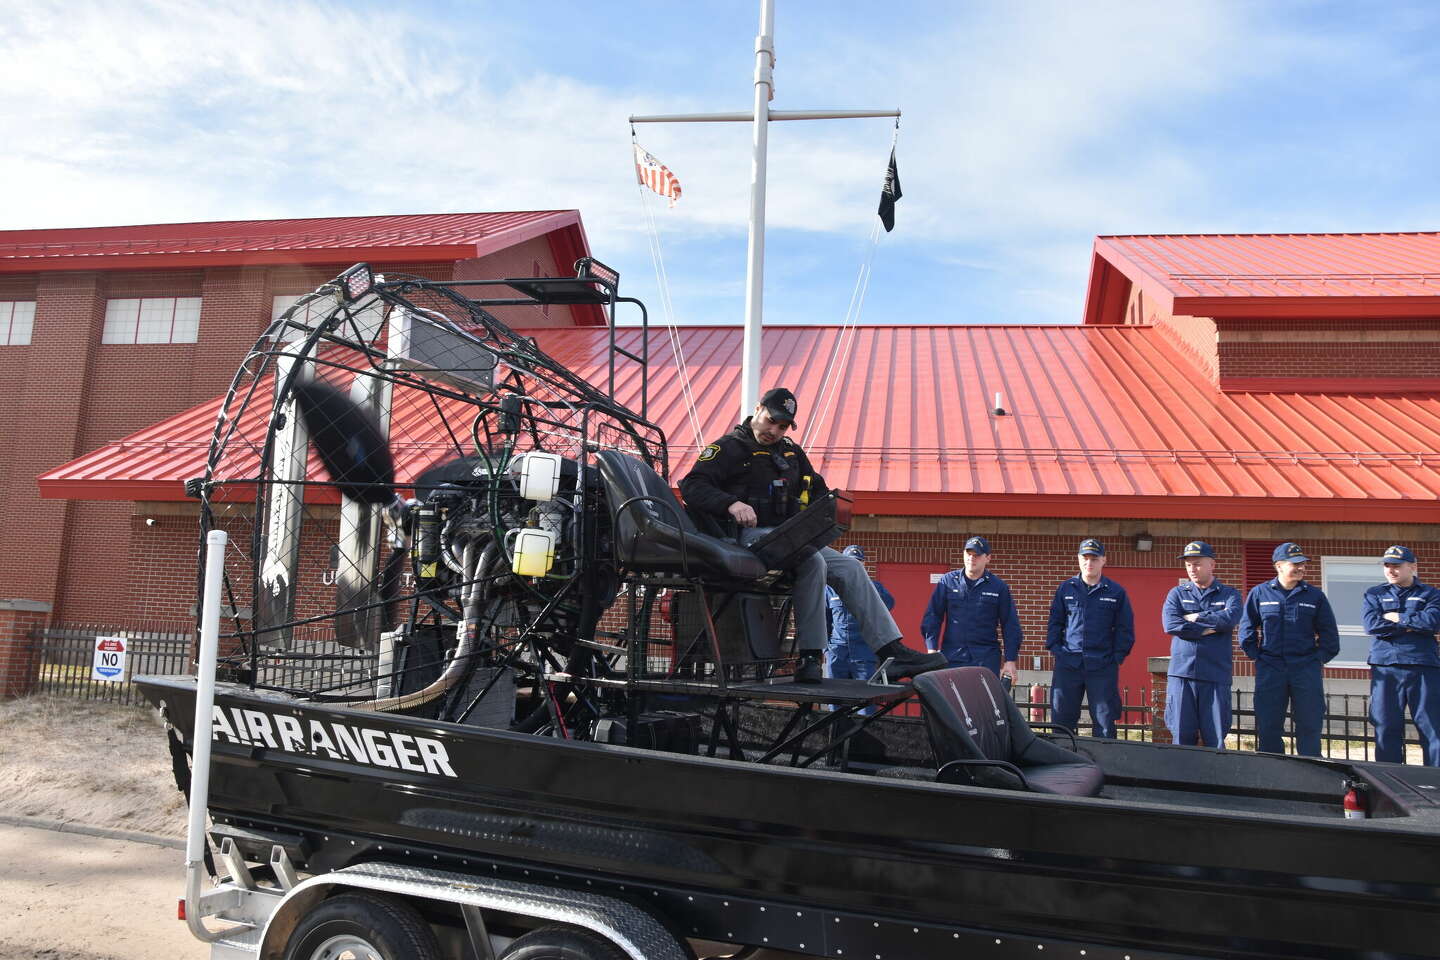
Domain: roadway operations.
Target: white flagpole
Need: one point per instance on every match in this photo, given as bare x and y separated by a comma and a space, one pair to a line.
760, 117
755, 264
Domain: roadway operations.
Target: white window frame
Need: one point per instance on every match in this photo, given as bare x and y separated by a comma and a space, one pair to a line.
369, 312
282, 302
17, 322
1348, 570
151, 320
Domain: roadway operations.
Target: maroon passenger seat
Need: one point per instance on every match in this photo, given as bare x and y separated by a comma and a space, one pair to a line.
980, 738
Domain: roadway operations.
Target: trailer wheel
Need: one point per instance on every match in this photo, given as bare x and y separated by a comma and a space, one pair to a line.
358, 926
563, 943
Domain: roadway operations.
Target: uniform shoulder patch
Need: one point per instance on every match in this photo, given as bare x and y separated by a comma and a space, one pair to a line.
710, 452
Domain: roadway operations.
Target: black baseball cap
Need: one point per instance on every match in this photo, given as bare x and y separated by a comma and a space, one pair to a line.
781, 404
1090, 547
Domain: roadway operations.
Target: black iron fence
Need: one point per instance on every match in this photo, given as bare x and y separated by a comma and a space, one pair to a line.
1347, 733
68, 667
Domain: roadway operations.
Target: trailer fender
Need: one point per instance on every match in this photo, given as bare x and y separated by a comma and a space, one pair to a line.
639, 934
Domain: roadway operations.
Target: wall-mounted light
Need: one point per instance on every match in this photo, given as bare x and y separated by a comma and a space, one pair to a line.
1144, 542
149, 521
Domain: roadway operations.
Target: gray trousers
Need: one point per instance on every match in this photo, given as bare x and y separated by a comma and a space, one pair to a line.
849, 579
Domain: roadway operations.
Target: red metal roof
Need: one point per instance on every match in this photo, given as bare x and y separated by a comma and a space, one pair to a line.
445, 236
1102, 422
1341, 275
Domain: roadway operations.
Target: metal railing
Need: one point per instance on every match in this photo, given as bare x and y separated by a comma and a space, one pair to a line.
67, 658
1347, 733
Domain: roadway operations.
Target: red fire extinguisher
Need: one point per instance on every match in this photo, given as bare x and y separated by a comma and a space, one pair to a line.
1037, 695
1356, 803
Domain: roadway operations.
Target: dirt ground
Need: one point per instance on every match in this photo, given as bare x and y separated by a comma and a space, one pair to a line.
67, 895
89, 762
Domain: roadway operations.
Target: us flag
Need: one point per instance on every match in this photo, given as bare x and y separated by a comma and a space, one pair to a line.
655, 175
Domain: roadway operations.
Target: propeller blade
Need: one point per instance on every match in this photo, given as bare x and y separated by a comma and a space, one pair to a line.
349, 442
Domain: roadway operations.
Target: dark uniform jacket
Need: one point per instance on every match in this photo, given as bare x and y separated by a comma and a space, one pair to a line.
737, 467
1194, 654
1410, 642
962, 613
1295, 627
1090, 627
844, 628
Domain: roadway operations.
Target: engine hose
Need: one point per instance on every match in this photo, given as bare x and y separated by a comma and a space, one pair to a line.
535, 719
456, 667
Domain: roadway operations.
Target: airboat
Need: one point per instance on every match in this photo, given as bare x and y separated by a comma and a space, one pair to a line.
472, 683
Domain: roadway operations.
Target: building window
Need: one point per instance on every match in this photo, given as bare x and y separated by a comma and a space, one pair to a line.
1345, 580
368, 314
152, 320
17, 320
281, 304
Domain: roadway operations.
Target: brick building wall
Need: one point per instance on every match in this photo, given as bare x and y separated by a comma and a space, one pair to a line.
533, 258
1245, 348
1195, 337
1034, 556
45, 426
1381, 350
66, 394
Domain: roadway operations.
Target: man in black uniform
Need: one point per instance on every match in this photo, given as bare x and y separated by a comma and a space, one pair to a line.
759, 478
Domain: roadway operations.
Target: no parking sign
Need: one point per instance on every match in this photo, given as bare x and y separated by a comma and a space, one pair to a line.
109, 659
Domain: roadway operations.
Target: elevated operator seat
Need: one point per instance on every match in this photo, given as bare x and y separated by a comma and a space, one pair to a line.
980, 738
654, 534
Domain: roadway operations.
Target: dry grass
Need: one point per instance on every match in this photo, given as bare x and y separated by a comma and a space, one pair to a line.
95, 763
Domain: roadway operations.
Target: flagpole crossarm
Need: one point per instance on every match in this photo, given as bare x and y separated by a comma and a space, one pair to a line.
771, 115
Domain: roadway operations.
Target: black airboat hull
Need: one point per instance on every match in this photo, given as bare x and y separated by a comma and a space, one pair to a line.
897, 868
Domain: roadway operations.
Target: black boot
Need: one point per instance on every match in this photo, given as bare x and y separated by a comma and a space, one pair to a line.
906, 662
808, 670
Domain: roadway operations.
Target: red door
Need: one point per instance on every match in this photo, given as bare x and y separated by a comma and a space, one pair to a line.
1147, 588
912, 584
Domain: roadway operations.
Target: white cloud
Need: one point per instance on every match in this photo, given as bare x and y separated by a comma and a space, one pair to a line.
1028, 129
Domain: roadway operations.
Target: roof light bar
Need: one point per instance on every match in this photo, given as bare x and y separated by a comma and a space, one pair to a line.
588, 268
356, 282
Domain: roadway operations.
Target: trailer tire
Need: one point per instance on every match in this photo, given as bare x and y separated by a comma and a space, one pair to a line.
369, 927
562, 943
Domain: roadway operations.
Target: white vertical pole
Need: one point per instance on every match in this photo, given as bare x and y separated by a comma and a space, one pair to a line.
755, 268
215, 542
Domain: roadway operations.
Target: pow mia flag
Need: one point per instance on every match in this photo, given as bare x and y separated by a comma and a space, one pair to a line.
889, 194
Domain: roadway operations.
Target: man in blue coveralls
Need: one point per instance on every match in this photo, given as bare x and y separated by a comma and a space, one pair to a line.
1402, 617
969, 611
848, 656
1200, 617
1289, 630
1091, 630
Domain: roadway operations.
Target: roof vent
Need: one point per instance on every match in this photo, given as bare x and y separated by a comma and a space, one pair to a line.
999, 410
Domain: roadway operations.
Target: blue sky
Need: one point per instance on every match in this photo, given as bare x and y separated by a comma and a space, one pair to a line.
1029, 128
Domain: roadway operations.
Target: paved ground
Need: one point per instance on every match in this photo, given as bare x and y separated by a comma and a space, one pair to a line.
68, 896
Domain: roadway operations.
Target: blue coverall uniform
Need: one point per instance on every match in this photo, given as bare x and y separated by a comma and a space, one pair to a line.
1404, 668
1290, 635
964, 616
1091, 631
1197, 695
847, 655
